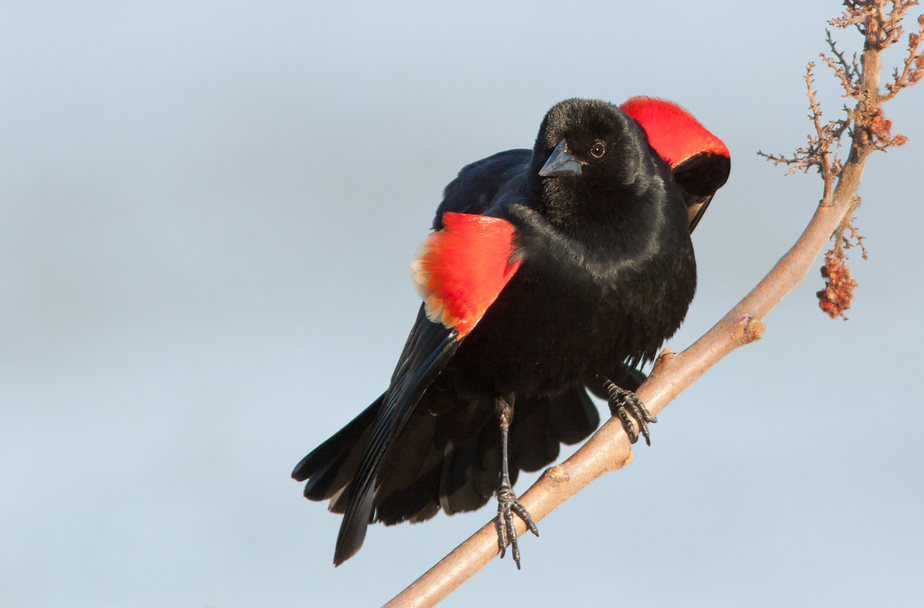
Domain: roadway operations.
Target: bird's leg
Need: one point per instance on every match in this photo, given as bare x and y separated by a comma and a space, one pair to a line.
626, 405
507, 503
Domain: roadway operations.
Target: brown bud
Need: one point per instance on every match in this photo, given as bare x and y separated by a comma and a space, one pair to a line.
921, 19
919, 61
837, 295
755, 329
881, 126
899, 140
915, 76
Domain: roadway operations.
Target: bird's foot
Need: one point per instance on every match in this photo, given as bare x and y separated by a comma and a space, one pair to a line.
626, 406
507, 505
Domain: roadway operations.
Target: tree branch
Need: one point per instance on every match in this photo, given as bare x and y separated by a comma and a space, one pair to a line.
609, 448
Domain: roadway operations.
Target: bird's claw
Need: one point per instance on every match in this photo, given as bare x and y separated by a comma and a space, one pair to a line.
626, 406
507, 506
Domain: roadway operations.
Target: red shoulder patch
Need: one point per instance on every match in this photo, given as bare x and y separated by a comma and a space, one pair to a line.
672, 131
462, 268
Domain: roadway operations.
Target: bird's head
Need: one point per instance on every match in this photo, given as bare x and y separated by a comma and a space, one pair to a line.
590, 150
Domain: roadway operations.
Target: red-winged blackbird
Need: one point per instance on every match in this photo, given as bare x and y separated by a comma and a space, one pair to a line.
549, 270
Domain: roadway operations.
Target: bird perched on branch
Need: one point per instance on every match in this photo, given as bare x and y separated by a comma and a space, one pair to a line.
549, 271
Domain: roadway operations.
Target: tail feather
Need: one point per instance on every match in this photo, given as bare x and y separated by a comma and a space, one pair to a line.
340, 443
532, 440
417, 502
447, 456
488, 462
572, 416
470, 470
457, 491
321, 485
406, 474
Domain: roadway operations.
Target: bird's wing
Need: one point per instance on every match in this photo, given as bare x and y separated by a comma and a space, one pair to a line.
698, 177
460, 271
477, 186
699, 161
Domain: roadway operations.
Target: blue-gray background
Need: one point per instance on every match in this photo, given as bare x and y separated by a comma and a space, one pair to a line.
207, 213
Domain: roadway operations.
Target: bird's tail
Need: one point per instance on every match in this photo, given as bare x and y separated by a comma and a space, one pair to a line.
330, 467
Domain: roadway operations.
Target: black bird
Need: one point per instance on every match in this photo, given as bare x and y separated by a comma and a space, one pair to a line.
548, 271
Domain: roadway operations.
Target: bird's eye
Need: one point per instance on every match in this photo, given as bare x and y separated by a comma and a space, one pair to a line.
598, 149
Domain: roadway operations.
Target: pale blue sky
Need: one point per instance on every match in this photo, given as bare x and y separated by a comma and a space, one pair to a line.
207, 216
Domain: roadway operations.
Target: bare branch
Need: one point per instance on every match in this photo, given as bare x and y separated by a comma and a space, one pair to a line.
847, 72
880, 23
913, 67
820, 146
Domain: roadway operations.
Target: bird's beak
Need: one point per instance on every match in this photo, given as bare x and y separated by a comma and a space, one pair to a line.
561, 163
